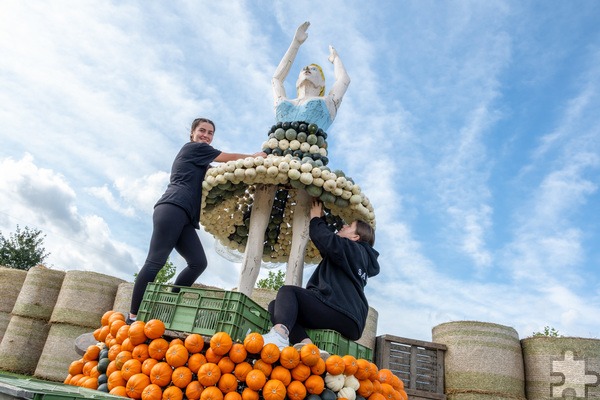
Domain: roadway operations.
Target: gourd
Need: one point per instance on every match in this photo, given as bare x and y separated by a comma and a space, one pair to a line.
334, 382
347, 393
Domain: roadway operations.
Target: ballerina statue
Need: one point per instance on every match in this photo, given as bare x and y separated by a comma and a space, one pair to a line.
293, 173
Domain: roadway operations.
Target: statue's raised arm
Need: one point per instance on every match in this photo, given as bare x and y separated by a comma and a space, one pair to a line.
311, 104
286, 62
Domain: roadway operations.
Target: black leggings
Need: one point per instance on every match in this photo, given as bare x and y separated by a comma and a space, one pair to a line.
299, 309
172, 229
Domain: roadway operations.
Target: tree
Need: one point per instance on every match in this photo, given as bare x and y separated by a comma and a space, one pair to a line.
272, 281
165, 274
23, 249
548, 331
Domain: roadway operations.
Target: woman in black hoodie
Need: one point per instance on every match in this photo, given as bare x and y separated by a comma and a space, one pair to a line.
334, 296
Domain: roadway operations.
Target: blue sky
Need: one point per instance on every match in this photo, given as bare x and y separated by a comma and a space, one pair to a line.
472, 126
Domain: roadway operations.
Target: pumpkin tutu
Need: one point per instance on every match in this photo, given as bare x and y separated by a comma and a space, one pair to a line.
296, 161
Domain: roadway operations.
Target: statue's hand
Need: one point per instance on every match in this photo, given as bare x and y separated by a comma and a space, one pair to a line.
301, 34
332, 54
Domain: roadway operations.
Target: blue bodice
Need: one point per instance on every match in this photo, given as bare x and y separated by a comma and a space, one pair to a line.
313, 111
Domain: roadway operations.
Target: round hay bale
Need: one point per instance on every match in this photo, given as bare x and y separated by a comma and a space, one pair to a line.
59, 352
483, 360
11, 280
4, 320
369, 335
39, 293
22, 344
123, 297
84, 297
552, 361
263, 297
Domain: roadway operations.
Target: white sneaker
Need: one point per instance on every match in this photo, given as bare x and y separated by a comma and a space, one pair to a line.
275, 337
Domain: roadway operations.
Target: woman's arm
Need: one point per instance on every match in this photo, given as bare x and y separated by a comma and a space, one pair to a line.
342, 80
224, 157
286, 62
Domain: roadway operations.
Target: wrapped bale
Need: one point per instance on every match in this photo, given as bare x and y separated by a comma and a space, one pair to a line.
22, 345
369, 335
483, 361
39, 293
123, 298
11, 280
557, 367
84, 297
59, 351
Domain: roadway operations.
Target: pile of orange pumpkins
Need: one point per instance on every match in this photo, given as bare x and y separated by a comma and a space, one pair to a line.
139, 361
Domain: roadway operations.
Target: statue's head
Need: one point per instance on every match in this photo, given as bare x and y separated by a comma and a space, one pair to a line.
312, 73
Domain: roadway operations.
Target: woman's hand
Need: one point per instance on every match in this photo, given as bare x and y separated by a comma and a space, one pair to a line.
316, 210
301, 34
332, 54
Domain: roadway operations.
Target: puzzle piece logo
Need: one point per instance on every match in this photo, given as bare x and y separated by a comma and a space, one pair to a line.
576, 379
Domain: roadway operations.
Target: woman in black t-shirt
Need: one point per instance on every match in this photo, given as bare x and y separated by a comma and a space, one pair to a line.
177, 213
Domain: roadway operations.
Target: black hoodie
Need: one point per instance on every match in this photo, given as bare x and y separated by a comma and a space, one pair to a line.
342, 274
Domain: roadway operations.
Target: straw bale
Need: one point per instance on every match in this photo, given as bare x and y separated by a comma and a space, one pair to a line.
123, 298
4, 320
369, 335
22, 344
547, 364
39, 293
59, 352
84, 297
11, 280
482, 359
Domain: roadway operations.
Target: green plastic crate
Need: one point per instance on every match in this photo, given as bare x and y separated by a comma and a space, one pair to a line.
203, 311
334, 343
12, 387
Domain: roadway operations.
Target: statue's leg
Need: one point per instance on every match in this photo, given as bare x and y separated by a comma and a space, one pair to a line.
259, 219
300, 237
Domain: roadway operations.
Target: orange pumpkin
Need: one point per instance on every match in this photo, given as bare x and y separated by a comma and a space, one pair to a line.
226, 365
147, 365
140, 352
282, 374
154, 328
172, 393
196, 361
365, 388
152, 392
87, 368
221, 343
351, 365
136, 385
161, 374
232, 396
193, 390
90, 383
113, 351
397, 383
103, 333
177, 355
270, 353
227, 383
115, 326
105, 316
176, 341
249, 394
211, 393
255, 379
238, 353
194, 343
274, 390
127, 345
310, 354
118, 391
130, 368
314, 384
209, 374
115, 379
181, 377
76, 367
112, 367
296, 390
91, 353
122, 357
363, 370
376, 396
241, 370
157, 348
254, 342
335, 365
301, 372
136, 333
116, 316
211, 356
263, 366
374, 371
289, 357
122, 333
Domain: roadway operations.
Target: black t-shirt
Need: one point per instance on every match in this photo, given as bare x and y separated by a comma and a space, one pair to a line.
187, 175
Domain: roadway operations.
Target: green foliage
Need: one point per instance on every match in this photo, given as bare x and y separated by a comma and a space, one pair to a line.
165, 274
548, 331
272, 281
23, 249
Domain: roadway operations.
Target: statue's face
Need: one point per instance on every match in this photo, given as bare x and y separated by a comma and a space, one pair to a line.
311, 74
